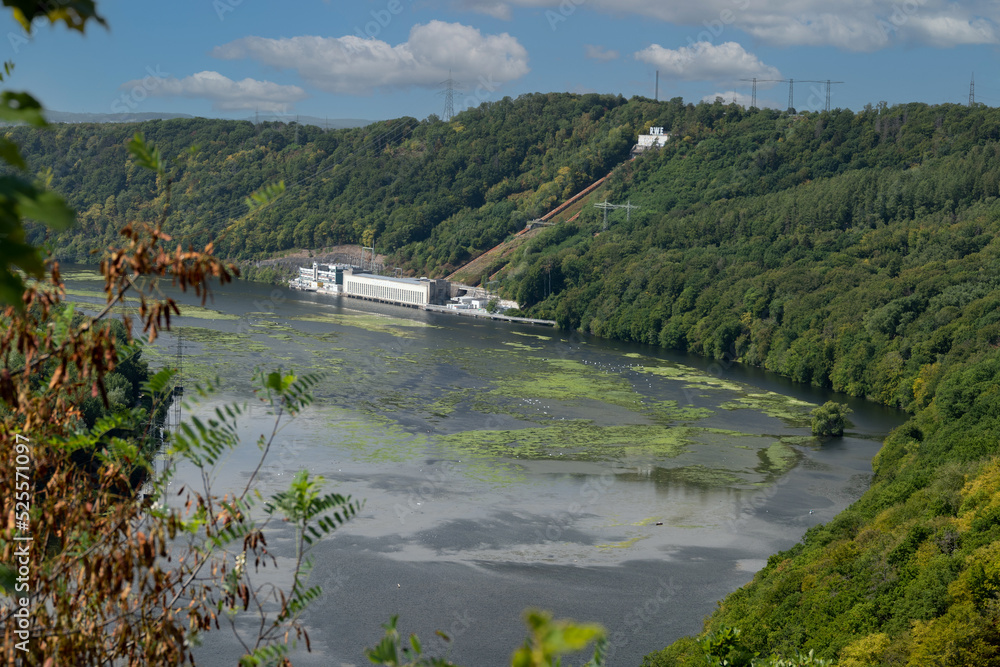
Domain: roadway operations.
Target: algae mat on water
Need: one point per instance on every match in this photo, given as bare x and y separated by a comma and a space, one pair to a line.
790, 410
577, 440
567, 380
395, 326
195, 312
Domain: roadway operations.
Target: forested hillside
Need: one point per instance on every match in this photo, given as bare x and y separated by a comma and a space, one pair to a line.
852, 251
443, 192
856, 251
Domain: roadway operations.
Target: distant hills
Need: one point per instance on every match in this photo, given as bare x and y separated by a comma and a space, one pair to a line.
325, 123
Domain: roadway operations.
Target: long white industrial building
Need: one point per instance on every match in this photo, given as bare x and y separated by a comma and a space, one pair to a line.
397, 290
350, 281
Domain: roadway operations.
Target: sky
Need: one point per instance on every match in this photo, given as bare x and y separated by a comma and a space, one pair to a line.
378, 59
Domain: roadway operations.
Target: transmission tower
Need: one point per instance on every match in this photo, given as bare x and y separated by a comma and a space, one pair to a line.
829, 85
753, 95
607, 206
755, 80
178, 390
972, 91
449, 97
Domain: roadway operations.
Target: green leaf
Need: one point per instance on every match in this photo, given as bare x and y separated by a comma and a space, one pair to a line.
21, 108
145, 156
11, 288
74, 13
273, 381
8, 579
11, 154
48, 207
161, 381
265, 195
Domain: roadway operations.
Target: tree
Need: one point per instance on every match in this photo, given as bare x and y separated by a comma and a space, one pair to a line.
830, 418
94, 568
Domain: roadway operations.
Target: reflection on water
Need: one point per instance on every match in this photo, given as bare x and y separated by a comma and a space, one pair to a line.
505, 466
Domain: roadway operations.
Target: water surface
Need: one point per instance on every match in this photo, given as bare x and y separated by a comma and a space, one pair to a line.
506, 466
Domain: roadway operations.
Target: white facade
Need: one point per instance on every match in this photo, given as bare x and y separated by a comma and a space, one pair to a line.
655, 139
397, 290
319, 277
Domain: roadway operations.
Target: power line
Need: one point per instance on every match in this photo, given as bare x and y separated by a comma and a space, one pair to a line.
972, 91
791, 89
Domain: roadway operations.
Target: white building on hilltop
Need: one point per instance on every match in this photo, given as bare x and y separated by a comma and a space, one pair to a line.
656, 138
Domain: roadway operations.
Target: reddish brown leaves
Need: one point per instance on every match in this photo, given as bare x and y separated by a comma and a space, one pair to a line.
101, 587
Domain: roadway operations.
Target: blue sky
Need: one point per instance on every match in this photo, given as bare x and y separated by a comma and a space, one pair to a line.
376, 59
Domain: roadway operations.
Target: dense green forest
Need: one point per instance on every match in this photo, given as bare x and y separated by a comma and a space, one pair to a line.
852, 251
855, 251
436, 192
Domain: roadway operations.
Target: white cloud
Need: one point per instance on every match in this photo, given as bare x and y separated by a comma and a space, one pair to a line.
353, 65
743, 99
225, 94
852, 25
727, 97
495, 8
600, 53
943, 31
704, 61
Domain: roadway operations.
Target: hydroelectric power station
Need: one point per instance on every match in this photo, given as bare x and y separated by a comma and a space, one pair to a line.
436, 294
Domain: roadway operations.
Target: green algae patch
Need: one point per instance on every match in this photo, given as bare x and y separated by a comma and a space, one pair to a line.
624, 544
520, 346
377, 441
197, 312
577, 440
194, 312
802, 440
699, 475
395, 326
283, 332
235, 342
692, 378
528, 335
570, 380
74, 276
90, 294
646, 522
792, 411
778, 459
668, 412
446, 405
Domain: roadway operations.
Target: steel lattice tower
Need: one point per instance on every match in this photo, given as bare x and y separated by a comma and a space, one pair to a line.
449, 97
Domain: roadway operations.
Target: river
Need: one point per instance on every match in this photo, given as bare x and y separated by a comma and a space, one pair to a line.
511, 466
